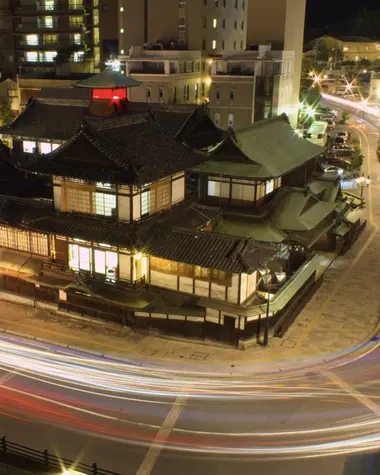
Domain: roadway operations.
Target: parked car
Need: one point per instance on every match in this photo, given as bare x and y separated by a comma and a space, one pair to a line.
336, 162
333, 169
339, 141
344, 134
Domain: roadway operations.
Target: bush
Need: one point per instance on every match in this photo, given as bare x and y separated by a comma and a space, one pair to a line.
345, 117
357, 161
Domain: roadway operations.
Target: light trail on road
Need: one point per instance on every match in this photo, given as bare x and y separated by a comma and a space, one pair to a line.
85, 395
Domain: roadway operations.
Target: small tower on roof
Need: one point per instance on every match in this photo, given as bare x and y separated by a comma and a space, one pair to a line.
109, 92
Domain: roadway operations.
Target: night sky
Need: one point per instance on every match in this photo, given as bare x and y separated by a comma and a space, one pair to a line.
336, 14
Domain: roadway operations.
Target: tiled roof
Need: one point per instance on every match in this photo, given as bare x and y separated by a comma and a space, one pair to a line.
196, 129
266, 149
209, 250
107, 80
133, 153
84, 228
51, 119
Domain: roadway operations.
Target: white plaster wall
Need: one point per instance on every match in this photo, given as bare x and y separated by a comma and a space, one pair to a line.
178, 190
160, 279
202, 288
218, 292
251, 284
57, 197
186, 284
212, 315
136, 208
124, 208
233, 291
243, 288
124, 267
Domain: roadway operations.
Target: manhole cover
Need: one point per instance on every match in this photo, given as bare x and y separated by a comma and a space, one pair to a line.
148, 352
199, 356
288, 344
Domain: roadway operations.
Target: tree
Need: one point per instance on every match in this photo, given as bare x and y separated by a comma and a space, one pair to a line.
6, 115
357, 161
345, 117
64, 54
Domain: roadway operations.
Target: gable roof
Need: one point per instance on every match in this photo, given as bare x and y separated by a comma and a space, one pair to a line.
195, 128
266, 149
297, 209
47, 118
134, 152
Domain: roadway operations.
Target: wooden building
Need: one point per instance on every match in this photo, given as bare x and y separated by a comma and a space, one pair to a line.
158, 221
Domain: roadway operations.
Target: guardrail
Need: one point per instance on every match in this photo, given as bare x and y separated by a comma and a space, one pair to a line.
25, 457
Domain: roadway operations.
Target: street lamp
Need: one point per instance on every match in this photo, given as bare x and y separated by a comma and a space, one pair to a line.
362, 182
267, 279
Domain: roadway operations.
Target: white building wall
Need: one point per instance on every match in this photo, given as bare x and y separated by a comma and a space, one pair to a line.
136, 208
124, 208
57, 197
178, 190
124, 266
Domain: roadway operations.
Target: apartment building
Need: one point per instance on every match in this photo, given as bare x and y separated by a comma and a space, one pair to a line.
211, 26
249, 86
281, 22
57, 36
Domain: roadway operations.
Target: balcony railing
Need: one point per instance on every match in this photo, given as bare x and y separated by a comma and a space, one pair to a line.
48, 8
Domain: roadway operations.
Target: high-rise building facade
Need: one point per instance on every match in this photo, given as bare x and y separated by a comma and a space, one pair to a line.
282, 22
61, 36
210, 26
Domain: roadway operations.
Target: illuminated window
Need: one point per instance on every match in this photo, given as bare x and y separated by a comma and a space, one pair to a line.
50, 39
121, 51
214, 23
213, 188
49, 56
78, 56
48, 22
106, 186
31, 40
49, 4
105, 204
76, 38
346, 48
145, 203
31, 56
79, 257
121, 9
75, 21
54, 146
269, 186
76, 4
44, 147
121, 30
213, 44
24, 241
29, 147
231, 119
78, 201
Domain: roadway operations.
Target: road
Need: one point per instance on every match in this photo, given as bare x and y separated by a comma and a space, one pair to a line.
151, 420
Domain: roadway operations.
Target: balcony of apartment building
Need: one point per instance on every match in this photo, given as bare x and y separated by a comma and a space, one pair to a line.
50, 23
47, 7
233, 68
46, 41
